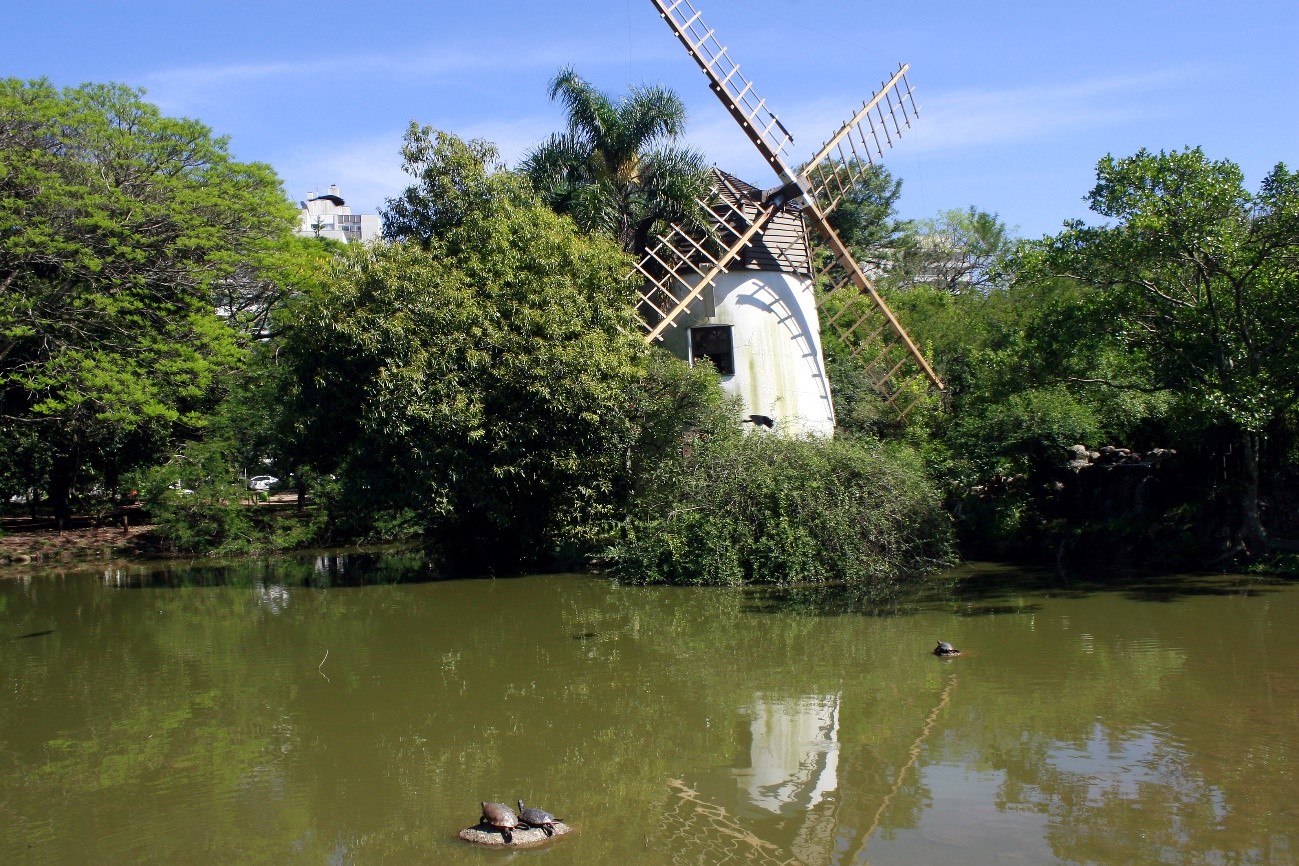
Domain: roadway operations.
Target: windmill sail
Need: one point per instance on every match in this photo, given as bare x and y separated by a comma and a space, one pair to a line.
847, 157
680, 267
732, 88
672, 274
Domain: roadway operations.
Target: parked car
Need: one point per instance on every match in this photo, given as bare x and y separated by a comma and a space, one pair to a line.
262, 483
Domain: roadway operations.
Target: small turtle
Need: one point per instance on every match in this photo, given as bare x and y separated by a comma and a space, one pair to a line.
946, 649
500, 817
535, 817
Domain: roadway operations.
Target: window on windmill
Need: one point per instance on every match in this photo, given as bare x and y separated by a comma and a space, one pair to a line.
714, 343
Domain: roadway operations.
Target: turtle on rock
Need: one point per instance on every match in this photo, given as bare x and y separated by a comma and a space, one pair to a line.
500, 817
945, 649
540, 818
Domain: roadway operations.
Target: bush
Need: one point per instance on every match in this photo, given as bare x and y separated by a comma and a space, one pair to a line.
199, 506
739, 509
1000, 463
194, 499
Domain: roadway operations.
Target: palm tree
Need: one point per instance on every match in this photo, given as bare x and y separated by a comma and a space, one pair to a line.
615, 169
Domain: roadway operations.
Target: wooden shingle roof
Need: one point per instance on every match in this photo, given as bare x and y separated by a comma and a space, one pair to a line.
782, 245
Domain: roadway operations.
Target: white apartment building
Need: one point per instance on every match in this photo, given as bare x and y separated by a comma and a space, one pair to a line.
328, 216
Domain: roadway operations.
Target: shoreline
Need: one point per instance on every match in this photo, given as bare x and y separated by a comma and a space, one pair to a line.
27, 545
123, 535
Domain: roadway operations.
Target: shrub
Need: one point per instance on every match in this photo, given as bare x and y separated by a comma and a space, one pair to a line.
199, 506
734, 510
1000, 462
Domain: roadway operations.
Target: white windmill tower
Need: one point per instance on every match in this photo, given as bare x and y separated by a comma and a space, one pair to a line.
745, 297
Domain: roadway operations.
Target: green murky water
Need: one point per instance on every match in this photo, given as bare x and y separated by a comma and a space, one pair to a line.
341, 711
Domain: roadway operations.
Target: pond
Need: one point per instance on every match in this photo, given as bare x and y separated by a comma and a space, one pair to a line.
350, 710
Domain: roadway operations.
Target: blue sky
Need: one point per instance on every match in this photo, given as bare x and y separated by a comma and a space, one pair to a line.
1018, 99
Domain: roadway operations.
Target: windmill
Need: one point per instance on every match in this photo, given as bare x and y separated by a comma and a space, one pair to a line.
744, 297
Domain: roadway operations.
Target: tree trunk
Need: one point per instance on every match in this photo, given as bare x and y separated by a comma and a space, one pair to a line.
637, 241
1252, 532
62, 472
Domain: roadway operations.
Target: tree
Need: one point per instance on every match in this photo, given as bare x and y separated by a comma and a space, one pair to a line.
615, 170
866, 217
960, 251
454, 180
252, 294
1199, 281
479, 382
116, 224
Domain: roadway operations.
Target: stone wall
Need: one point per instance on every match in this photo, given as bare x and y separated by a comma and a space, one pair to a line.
1160, 508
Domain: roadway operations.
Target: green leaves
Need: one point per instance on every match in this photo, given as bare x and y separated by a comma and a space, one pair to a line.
1196, 278
1193, 291
480, 373
614, 171
866, 218
757, 509
456, 179
116, 226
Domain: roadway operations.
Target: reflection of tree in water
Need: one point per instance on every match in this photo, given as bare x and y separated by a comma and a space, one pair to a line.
1161, 736
1130, 797
587, 698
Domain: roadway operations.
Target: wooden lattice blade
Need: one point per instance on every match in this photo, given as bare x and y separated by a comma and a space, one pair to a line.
855, 312
849, 154
736, 92
679, 269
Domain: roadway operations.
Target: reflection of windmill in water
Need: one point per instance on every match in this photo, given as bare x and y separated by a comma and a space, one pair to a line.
743, 298
786, 769
794, 768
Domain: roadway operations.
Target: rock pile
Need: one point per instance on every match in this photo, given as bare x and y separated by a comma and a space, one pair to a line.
1110, 455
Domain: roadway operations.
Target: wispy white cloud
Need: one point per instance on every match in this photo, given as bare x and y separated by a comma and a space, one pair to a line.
182, 87
955, 120
967, 118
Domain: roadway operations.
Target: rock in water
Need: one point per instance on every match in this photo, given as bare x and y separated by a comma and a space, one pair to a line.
481, 834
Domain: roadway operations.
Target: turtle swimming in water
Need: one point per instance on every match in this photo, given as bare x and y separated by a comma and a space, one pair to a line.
539, 818
946, 649
500, 817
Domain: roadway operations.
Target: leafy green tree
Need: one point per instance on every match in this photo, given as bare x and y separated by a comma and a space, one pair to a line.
615, 170
116, 226
252, 420
1012, 357
24, 465
921, 266
482, 385
866, 218
1198, 281
196, 501
454, 180
250, 298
